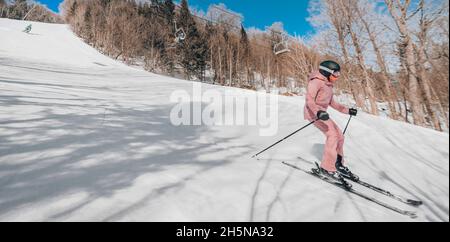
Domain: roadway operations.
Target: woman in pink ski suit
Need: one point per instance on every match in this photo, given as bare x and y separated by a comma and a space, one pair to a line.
319, 96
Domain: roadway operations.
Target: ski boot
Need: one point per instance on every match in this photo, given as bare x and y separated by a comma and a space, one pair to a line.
334, 176
344, 171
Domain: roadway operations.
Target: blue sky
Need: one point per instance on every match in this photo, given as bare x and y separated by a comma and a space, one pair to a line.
257, 13
262, 13
52, 4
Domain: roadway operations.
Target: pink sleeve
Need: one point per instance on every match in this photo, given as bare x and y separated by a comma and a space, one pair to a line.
311, 94
341, 108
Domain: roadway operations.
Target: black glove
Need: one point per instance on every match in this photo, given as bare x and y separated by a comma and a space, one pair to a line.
353, 112
322, 115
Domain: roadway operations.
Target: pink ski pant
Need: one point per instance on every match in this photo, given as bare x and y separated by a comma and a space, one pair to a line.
334, 144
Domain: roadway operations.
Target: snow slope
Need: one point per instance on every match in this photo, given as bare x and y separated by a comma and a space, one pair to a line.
83, 137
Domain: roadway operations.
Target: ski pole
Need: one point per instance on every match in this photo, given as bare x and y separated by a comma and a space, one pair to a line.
345, 130
284, 138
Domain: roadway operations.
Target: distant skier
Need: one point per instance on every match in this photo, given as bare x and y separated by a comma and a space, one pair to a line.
319, 96
28, 29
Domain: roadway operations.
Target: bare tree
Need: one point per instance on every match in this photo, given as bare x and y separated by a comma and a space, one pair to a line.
400, 13
301, 62
2, 8
425, 23
348, 7
335, 15
362, 10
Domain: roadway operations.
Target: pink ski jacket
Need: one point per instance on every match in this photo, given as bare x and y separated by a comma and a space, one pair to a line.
319, 96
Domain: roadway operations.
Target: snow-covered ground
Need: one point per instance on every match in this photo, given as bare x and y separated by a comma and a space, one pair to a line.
83, 137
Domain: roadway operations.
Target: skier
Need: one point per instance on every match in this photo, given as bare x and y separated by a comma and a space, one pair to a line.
28, 29
319, 96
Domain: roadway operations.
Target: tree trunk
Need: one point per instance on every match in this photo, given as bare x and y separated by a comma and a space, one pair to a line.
220, 67
231, 66
425, 87
410, 60
369, 86
368, 81
336, 19
391, 97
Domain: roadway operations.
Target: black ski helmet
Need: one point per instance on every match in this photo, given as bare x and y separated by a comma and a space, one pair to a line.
329, 67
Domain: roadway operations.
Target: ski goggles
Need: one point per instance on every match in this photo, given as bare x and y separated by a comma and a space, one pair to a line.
332, 72
336, 74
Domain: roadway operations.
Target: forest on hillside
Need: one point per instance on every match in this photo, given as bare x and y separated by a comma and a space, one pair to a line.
28, 10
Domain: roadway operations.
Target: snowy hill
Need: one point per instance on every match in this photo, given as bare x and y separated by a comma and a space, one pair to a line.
83, 137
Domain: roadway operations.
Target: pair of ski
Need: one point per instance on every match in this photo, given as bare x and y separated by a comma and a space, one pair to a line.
346, 186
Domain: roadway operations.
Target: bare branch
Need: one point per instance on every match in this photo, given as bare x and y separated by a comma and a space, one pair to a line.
419, 9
